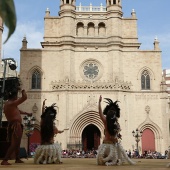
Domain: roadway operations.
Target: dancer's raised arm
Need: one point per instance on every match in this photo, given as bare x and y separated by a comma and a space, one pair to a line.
103, 118
43, 106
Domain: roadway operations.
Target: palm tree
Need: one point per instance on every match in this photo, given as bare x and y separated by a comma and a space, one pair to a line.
8, 15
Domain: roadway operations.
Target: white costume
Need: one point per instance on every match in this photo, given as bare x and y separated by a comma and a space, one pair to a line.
111, 151
46, 154
112, 154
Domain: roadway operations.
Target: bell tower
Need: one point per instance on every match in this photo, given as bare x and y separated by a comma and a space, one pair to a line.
67, 14
114, 15
67, 3
114, 5
1, 31
113, 2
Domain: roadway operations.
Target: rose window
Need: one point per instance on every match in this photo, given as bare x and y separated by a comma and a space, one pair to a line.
91, 70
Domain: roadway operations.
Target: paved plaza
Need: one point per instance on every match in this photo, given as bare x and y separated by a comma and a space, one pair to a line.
88, 164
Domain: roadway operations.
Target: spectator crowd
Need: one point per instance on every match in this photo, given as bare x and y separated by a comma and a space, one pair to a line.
134, 154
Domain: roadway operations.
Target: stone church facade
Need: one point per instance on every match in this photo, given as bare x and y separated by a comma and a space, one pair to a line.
93, 51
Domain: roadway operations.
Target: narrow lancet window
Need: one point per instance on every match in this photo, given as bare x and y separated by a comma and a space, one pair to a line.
145, 80
36, 80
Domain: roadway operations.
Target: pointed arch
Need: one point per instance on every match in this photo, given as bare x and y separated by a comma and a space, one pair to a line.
149, 124
35, 76
145, 76
35, 68
36, 80
145, 80
81, 121
151, 73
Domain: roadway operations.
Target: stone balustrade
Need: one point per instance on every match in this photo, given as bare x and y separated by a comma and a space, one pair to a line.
100, 8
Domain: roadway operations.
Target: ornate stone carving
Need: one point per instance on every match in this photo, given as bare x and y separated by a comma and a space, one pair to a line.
147, 109
84, 85
34, 108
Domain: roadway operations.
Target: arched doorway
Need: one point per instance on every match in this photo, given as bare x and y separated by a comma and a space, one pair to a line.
91, 137
148, 140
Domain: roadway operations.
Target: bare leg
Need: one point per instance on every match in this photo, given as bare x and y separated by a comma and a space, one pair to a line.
18, 160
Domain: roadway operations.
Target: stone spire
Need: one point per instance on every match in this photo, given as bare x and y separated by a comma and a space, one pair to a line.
24, 43
47, 12
156, 44
133, 14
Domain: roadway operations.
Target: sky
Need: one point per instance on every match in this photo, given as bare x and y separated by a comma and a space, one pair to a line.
153, 21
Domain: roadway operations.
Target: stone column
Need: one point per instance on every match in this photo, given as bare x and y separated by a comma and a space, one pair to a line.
96, 31
85, 30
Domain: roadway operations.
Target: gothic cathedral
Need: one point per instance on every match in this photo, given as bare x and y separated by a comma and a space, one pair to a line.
91, 51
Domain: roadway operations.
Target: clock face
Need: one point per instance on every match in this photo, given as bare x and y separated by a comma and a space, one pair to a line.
91, 70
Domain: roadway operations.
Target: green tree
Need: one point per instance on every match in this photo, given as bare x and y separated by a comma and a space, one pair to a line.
8, 15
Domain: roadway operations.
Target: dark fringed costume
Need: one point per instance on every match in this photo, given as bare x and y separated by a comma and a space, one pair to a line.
14, 135
48, 152
15, 129
112, 153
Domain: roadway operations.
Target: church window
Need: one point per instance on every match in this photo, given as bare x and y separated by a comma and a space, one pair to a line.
114, 1
67, 1
145, 80
91, 70
36, 80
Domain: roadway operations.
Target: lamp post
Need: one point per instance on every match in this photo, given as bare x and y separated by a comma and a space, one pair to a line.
137, 134
12, 66
29, 122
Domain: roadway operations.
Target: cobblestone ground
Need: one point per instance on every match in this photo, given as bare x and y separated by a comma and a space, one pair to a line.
89, 164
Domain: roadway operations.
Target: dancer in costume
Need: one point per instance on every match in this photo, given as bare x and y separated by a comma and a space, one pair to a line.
15, 127
48, 152
111, 152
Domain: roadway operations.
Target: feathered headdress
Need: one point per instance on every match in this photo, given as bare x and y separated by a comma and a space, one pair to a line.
112, 106
50, 111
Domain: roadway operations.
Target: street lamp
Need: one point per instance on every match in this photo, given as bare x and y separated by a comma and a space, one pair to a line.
12, 66
137, 134
29, 122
